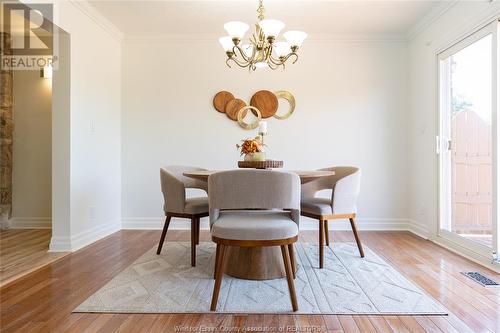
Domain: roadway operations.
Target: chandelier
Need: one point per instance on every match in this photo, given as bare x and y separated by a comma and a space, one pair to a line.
263, 49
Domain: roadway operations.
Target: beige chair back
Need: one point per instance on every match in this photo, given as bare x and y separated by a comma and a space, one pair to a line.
253, 189
174, 185
345, 185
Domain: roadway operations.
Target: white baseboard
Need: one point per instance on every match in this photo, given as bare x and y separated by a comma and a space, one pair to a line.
64, 244
30, 223
82, 239
423, 231
150, 223
305, 224
90, 236
467, 253
60, 244
418, 229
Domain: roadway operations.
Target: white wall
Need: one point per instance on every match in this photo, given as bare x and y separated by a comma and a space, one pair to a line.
61, 163
461, 19
32, 152
351, 110
370, 104
94, 124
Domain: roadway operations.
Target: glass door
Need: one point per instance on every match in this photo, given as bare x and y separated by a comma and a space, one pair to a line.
468, 142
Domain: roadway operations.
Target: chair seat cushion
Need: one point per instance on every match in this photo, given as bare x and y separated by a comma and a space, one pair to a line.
318, 206
254, 225
196, 205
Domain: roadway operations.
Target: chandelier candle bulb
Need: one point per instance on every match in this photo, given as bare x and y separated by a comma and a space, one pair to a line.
295, 38
262, 127
236, 30
271, 28
281, 49
260, 64
227, 43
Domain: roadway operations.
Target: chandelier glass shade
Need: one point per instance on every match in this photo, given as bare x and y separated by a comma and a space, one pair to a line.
263, 49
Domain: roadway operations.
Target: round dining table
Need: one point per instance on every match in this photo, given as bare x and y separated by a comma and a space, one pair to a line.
258, 263
304, 175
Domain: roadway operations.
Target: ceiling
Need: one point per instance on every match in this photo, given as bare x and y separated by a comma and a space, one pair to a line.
372, 18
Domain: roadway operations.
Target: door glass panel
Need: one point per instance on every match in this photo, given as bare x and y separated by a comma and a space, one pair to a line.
470, 116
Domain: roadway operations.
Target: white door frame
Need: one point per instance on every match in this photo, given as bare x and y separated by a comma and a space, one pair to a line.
442, 149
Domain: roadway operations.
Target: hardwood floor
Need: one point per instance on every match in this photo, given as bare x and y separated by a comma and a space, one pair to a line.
43, 302
23, 251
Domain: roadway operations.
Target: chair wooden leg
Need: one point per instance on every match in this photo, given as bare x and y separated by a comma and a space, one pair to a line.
218, 277
193, 242
291, 252
289, 277
327, 236
163, 233
216, 264
197, 231
356, 236
321, 242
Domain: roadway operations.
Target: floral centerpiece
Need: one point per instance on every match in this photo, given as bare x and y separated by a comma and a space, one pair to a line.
253, 149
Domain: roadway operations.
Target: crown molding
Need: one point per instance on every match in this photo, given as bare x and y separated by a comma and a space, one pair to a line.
357, 38
479, 21
312, 38
87, 9
430, 18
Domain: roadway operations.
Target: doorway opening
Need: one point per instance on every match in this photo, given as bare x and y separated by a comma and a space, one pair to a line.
468, 142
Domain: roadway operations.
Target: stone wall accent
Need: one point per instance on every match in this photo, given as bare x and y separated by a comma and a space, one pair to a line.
6, 133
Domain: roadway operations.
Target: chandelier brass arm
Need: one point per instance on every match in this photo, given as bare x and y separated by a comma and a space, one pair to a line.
249, 61
233, 55
242, 65
282, 60
272, 62
243, 53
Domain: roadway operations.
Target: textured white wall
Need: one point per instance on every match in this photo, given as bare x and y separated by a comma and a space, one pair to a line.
351, 110
94, 130
462, 19
32, 150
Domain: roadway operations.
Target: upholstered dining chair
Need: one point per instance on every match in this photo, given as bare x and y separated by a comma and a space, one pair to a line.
254, 208
173, 186
342, 204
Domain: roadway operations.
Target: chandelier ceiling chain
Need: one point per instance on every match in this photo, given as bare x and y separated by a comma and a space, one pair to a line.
261, 10
263, 50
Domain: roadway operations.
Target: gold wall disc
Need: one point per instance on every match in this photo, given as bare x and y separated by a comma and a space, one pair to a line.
242, 113
291, 101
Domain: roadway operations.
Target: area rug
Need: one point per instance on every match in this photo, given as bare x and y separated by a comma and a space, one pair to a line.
347, 284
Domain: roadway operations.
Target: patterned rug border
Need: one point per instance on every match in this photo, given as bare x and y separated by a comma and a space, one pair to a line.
444, 312
434, 314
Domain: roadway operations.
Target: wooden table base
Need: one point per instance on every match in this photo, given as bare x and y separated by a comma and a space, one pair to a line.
255, 263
